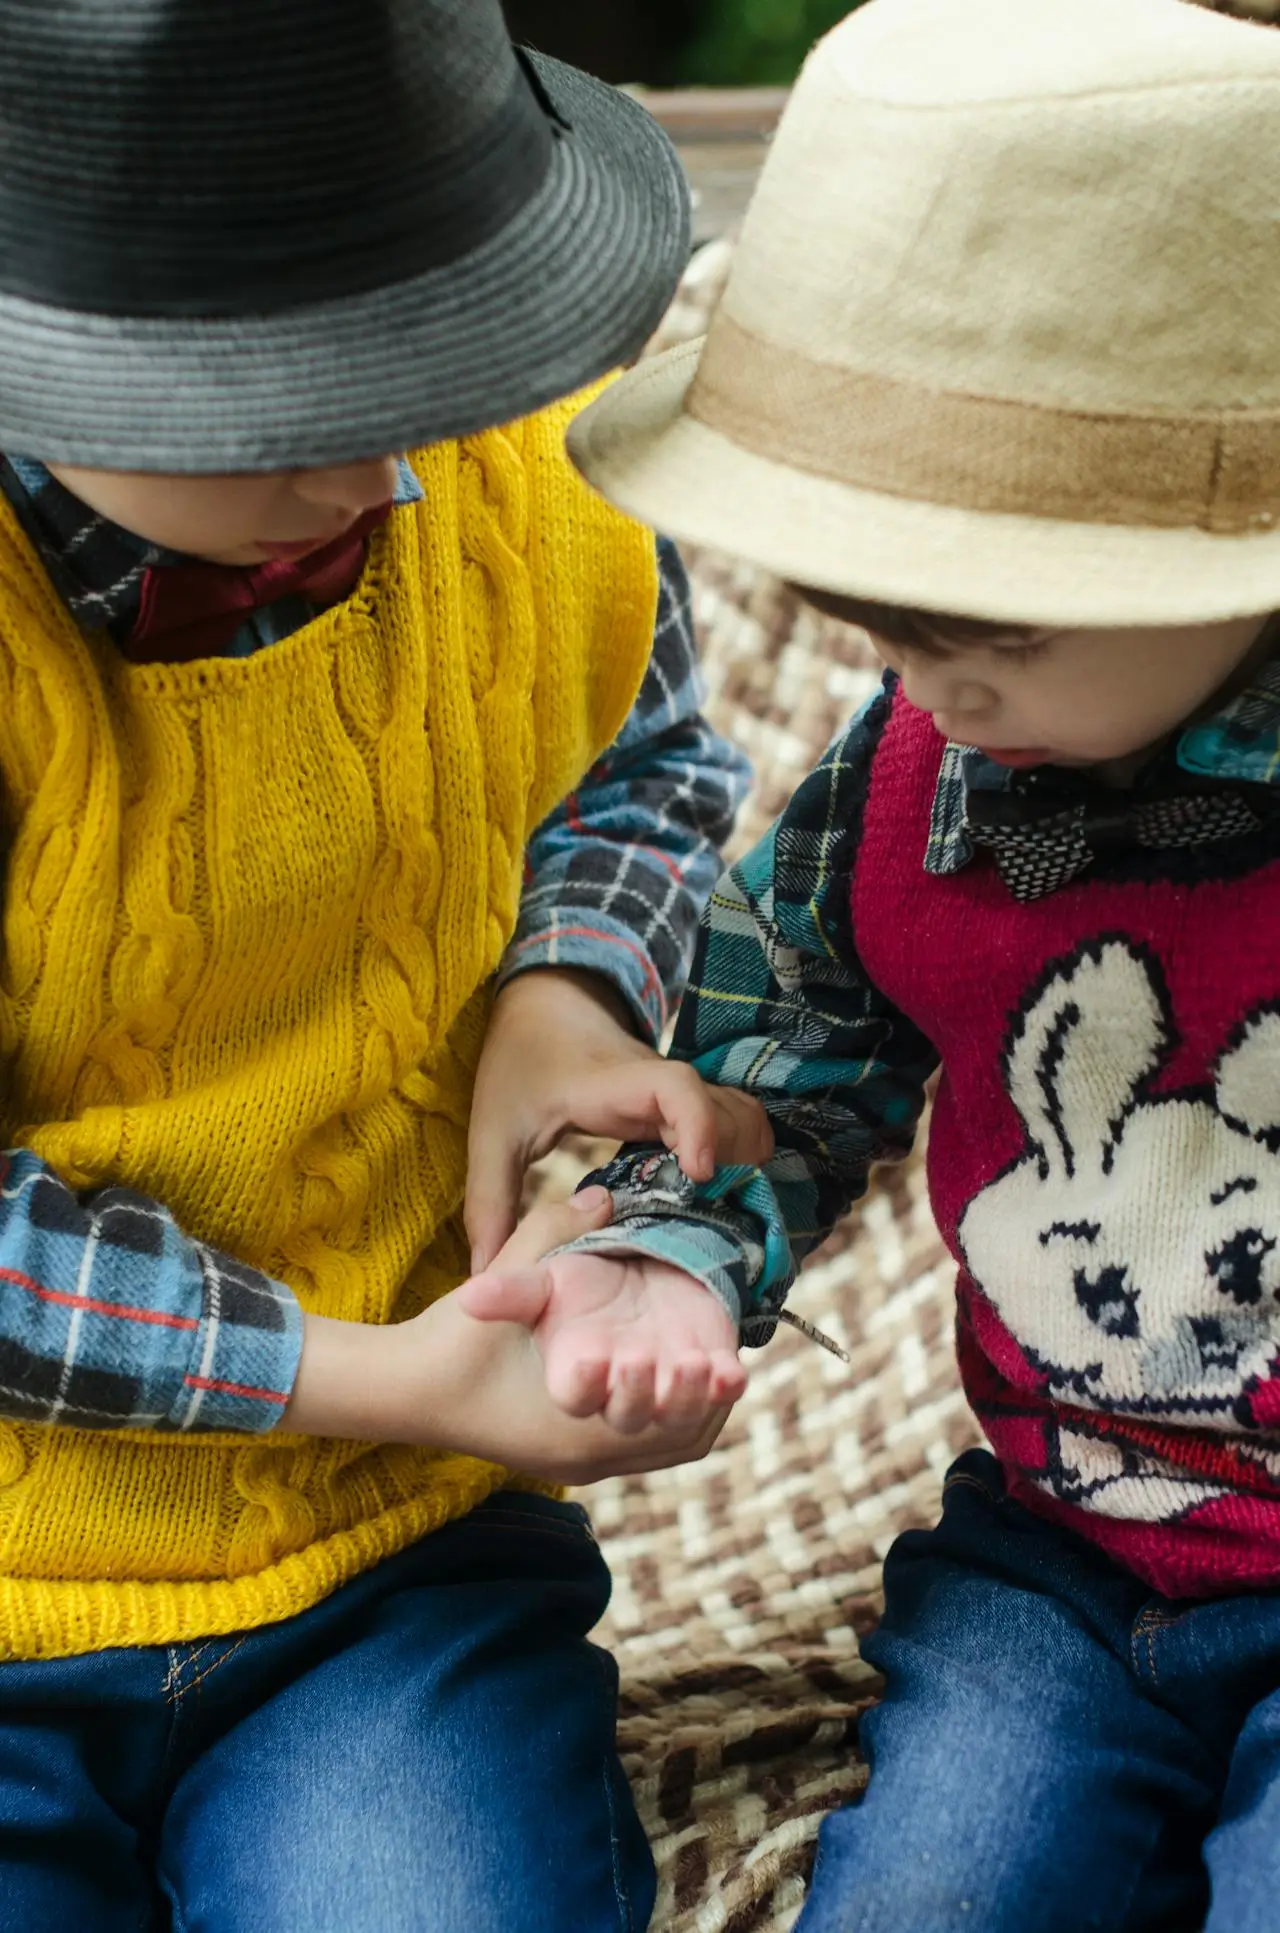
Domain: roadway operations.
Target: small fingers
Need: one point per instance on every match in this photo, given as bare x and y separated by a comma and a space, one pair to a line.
629, 1408
578, 1379
681, 1401
728, 1379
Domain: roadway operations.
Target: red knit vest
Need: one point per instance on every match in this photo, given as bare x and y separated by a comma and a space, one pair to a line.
1104, 1164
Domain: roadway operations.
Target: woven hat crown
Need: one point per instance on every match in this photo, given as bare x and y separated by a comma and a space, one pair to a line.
170, 157
1058, 206
1002, 334
253, 235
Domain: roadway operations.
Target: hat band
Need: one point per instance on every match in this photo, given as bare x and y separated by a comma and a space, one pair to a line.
1217, 471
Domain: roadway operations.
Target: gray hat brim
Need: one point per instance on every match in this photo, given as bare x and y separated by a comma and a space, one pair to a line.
570, 289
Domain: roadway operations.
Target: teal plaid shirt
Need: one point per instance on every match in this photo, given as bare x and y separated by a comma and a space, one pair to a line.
779, 1005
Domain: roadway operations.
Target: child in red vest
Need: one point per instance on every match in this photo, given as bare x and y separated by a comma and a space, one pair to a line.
997, 377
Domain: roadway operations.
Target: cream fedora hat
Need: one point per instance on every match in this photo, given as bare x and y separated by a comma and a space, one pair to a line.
1003, 332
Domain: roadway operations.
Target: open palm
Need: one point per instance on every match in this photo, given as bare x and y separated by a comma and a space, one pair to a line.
622, 1336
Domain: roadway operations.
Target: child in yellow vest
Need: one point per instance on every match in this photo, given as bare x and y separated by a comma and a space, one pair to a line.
304, 751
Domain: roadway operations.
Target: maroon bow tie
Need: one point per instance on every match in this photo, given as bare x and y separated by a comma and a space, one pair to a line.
194, 610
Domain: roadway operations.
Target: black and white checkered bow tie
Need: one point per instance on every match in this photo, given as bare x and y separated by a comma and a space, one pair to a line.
1045, 831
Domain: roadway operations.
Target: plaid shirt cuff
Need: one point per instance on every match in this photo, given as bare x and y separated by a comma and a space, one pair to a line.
111, 1319
247, 1350
596, 944
721, 1232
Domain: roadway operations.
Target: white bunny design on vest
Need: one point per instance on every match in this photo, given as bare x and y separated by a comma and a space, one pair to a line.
1133, 1249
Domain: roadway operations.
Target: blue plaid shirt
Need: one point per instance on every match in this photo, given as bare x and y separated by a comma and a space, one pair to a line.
778, 1005
110, 1316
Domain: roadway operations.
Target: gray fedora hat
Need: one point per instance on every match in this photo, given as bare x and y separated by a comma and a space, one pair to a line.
245, 235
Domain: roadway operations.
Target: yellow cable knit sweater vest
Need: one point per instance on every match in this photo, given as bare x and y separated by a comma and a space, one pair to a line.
251, 908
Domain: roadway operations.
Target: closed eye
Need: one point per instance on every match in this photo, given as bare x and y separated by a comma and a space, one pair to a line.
1070, 1232
1242, 1185
1024, 654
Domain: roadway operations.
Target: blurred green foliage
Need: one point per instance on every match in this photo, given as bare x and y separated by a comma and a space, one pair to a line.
751, 43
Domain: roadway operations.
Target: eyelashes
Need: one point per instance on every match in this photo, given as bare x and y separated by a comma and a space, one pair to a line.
1017, 655
1024, 654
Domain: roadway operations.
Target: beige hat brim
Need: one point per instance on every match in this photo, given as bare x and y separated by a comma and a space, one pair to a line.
637, 445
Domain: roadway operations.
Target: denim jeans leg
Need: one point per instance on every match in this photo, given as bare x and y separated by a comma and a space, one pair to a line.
446, 1765
81, 1740
1243, 1851
1021, 1780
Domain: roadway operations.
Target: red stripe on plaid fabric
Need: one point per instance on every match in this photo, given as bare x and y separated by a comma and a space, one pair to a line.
607, 939
94, 1307
664, 859
236, 1389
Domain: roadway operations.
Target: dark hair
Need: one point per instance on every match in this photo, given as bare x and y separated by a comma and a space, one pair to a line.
917, 630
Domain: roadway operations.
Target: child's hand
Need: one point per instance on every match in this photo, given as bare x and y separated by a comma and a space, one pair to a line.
480, 1387
560, 1057
633, 1341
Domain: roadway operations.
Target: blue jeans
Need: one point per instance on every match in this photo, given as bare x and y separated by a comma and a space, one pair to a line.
430, 1750
1058, 1750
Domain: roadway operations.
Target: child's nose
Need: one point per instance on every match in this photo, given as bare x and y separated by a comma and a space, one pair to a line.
353, 487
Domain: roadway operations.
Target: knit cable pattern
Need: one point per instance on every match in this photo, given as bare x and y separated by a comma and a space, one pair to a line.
254, 906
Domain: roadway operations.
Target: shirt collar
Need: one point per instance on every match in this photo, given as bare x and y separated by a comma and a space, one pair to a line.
97, 566
1240, 741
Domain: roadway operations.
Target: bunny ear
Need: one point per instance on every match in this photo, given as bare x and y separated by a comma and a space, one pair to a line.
1096, 1028
1248, 1079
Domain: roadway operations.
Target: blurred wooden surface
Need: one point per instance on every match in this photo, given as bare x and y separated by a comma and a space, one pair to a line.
722, 135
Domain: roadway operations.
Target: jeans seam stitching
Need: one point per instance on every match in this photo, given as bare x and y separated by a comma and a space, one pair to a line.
580, 1540
194, 1654
171, 1692
615, 1845
194, 1684
1146, 1628
971, 1483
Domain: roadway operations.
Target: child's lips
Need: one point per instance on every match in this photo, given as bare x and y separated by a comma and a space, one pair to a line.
303, 548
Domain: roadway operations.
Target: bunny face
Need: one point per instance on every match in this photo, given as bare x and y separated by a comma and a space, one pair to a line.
1134, 1248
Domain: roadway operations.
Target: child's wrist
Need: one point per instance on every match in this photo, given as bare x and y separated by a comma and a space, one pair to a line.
548, 983
359, 1380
